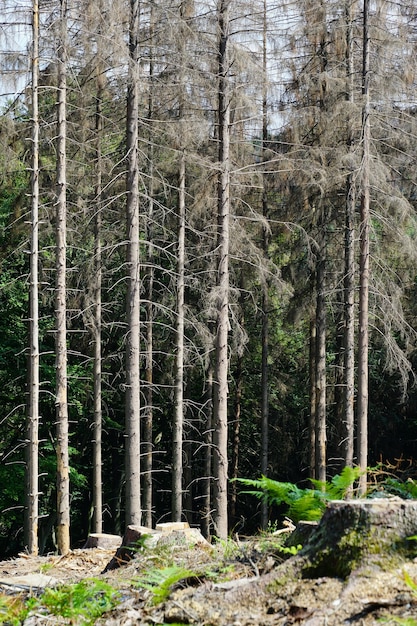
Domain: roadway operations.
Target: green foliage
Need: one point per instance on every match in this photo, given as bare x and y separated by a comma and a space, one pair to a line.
160, 581
81, 603
290, 550
303, 504
339, 486
394, 486
13, 609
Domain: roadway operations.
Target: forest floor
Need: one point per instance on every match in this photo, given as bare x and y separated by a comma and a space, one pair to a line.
235, 583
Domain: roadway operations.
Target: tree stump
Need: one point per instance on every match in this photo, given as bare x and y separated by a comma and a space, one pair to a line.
132, 539
361, 533
102, 540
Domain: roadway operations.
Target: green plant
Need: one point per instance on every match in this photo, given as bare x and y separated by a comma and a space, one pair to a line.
290, 550
81, 603
303, 504
160, 581
13, 610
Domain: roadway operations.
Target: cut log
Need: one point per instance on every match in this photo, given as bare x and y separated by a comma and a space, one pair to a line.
168, 534
102, 540
361, 533
167, 527
133, 540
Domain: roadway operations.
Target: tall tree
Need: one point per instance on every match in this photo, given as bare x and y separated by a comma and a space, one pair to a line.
349, 277
363, 339
147, 419
97, 326
178, 424
133, 493
220, 383
320, 360
33, 405
61, 401
265, 287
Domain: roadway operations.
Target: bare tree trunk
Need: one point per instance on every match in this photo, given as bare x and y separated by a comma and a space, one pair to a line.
208, 444
31, 539
133, 495
147, 455
222, 326
349, 280
313, 401
265, 295
63, 505
234, 465
362, 416
97, 373
178, 425
147, 419
321, 366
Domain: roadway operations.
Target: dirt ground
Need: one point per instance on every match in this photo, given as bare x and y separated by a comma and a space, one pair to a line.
238, 584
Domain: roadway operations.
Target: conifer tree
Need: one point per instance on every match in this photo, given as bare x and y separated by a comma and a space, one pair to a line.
61, 401
220, 382
133, 492
33, 404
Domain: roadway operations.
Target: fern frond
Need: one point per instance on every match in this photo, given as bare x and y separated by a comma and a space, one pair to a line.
160, 581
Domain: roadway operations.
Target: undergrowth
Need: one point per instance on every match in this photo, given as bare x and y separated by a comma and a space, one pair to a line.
81, 603
160, 581
303, 504
14, 609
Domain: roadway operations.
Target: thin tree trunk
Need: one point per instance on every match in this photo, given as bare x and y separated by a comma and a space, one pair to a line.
321, 367
313, 400
349, 280
97, 373
178, 424
33, 408
147, 444
236, 423
63, 505
362, 416
265, 295
133, 495
321, 316
208, 444
222, 326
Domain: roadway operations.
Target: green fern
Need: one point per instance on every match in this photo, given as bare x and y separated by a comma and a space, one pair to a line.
340, 484
160, 581
303, 504
81, 603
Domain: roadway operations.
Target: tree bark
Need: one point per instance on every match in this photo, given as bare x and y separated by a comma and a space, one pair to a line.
265, 287
147, 419
208, 444
234, 465
360, 533
220, 413
133, 494
178, 424
33, 408
349, 279
320, 375
97, 373
363, 339
313, 400
61, 403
